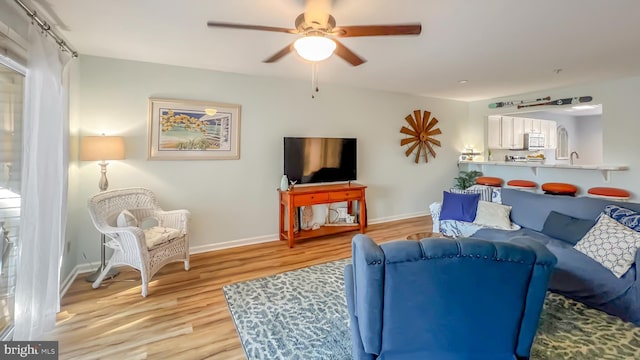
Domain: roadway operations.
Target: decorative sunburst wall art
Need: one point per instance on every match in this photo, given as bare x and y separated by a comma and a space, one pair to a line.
421, 135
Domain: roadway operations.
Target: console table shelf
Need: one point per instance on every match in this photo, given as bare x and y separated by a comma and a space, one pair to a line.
320, 194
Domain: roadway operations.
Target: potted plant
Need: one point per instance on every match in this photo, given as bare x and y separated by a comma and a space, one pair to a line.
466, 179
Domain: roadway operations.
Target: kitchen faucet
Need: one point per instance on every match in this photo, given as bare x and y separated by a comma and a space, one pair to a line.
571, 157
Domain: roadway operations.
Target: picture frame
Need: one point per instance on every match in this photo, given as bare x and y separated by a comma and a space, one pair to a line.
193, 130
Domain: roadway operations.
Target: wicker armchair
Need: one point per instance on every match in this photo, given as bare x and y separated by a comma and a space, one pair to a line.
145, 250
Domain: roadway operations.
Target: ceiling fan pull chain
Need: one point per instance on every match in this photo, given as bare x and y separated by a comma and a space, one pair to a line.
314, 79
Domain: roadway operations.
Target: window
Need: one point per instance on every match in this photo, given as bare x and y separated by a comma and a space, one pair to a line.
562, 150
11, 100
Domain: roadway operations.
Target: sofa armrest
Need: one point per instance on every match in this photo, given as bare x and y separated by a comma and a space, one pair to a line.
356, 339
368, 268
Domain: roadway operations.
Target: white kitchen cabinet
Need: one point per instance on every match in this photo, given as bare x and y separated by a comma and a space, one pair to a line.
493, 133
533, 125
506, 132
549, 129
518, 133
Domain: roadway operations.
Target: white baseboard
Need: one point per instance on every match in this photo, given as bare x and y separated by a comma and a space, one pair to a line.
233, 243
398, 217
77, 270
90, 267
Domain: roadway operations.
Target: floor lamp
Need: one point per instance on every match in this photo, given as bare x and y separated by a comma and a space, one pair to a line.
102, 148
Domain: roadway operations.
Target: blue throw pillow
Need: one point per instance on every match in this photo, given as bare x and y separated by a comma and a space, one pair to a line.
461, 207
624, 216
566, 228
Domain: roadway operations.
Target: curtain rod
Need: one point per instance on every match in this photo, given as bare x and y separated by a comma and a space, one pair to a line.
47, 28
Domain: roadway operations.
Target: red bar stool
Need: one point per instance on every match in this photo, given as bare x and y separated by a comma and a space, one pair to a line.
522, 185
554, 188
489, 181
609, 193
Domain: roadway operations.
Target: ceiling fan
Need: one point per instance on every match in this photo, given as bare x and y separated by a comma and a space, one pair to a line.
319, 32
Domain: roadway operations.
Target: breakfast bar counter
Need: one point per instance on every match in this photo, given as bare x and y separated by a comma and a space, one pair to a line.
534, 165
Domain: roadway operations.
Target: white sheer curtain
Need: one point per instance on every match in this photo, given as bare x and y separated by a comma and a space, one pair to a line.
44, 188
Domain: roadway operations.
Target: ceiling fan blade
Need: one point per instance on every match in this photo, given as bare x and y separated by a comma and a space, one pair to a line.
316, 13
348, 55
280, 54
251, 27
377, 30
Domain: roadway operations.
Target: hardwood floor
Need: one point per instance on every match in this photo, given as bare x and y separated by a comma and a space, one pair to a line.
185, 315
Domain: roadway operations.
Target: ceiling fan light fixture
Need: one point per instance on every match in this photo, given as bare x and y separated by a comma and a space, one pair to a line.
314, 48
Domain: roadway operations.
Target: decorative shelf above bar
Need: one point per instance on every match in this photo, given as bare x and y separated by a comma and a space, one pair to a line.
534, 166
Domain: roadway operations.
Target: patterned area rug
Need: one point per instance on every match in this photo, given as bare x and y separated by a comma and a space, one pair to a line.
302, 314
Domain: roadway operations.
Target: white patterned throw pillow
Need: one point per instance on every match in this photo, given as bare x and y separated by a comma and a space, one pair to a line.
611, 244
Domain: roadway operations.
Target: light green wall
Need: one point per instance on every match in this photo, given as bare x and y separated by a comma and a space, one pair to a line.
237, 199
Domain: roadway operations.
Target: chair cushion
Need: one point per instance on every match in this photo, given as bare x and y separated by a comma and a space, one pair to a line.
611, 244
126, 218
460, 207
159, 235
559, 188
489, 181
566, 228
493, 215
610, 192
522, 183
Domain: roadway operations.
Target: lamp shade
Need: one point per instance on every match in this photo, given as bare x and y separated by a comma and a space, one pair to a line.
314, 48
102, 148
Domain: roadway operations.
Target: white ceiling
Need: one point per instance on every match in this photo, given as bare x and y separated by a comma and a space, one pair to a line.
502, 47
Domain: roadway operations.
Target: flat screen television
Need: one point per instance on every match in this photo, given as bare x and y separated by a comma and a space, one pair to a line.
320, 160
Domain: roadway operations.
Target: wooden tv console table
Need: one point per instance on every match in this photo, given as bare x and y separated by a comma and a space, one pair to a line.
320, 194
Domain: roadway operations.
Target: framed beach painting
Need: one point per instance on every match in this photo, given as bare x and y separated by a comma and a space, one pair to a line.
193, 130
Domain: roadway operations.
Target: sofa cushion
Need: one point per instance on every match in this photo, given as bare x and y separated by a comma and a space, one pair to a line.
566, 227
493, 215
626, 217
611, 244
460, 207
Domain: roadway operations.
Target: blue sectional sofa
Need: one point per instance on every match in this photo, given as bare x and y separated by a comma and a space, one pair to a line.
576, 275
